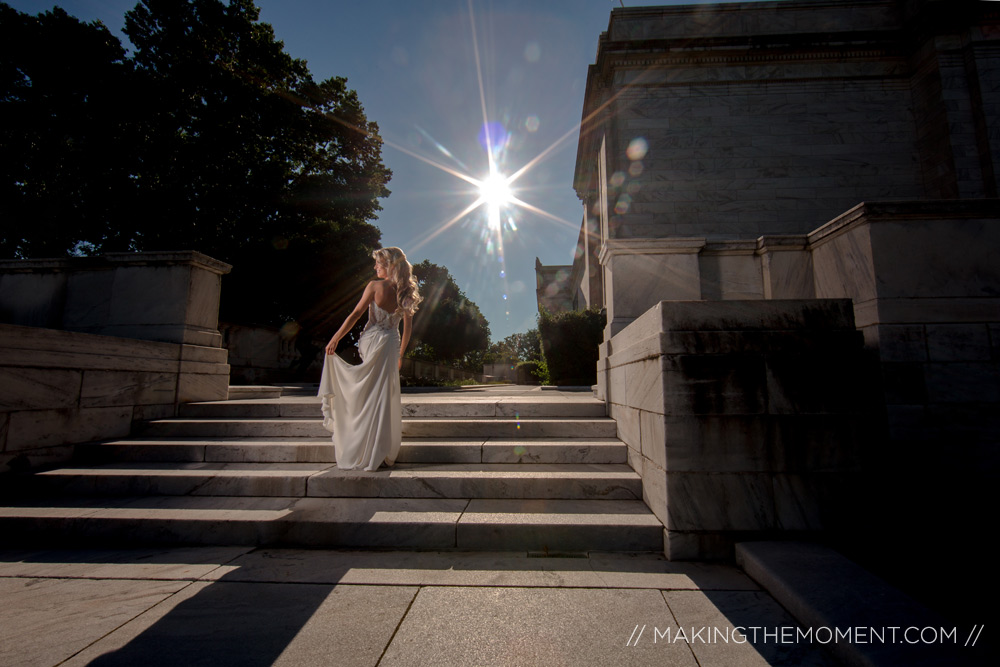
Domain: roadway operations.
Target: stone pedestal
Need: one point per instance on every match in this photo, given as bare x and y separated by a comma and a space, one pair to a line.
743, 417
171, 297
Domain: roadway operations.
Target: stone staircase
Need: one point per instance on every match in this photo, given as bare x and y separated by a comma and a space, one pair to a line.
529, 472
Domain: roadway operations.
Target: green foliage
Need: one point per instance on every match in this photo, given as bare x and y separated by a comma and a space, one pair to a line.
210, 137
532, 372
516, 347
66, 150
570, 342
448, 328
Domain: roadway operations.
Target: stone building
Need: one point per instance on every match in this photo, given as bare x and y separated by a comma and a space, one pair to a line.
740, 167
575, 286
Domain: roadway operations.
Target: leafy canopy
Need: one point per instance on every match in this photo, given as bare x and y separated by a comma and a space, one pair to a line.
209, 137
448, 327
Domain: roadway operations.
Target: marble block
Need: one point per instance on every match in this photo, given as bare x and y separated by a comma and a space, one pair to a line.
106, 388
33, 388
32, 429
720, 501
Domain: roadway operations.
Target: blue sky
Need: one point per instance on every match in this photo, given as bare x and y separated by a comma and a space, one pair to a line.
414, 66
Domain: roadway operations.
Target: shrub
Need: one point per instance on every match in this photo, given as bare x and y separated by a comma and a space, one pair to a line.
570, 343
532, 372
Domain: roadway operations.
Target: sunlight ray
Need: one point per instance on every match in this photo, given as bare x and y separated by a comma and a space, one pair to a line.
482, 89
545, 214
440, 147
419, 243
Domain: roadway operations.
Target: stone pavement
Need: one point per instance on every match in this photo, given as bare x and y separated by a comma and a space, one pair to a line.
261, 605
256, 606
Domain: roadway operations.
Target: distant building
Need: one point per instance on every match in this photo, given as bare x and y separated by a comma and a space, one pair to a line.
578, 285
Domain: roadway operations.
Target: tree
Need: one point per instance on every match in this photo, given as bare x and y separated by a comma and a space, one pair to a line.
448, 327
222, 143
570, 344
67, 152
516, 347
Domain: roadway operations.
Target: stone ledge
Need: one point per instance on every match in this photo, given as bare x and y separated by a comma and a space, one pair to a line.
249, 391
823, 589
115, 259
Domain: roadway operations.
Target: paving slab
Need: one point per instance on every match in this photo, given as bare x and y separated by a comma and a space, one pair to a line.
251, 625
502, 568
643, 570
273, 606
46, 621
531, 626
729, 628
150, 563
822, 589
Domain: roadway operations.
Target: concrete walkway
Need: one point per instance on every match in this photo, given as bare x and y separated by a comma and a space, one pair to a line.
245, 606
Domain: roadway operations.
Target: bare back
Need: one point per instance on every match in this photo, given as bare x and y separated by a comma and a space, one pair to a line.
384, 295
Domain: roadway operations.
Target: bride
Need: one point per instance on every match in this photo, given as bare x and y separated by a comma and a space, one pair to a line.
361, 404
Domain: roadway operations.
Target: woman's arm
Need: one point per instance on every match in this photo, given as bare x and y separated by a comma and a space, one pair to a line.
405, 340
355, 315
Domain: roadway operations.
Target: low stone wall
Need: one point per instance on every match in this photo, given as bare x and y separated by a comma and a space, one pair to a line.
58, 388
743, 418
501, 372
431, 371
266, 355
90, 345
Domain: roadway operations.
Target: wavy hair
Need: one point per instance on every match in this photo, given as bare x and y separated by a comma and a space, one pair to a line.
400, 274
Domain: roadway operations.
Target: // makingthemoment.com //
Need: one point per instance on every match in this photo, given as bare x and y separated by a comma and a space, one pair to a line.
791, 634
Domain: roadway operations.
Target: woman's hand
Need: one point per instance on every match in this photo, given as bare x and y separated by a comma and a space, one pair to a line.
331, 347
400, 362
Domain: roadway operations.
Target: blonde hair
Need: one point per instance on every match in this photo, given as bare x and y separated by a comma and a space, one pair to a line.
400, 274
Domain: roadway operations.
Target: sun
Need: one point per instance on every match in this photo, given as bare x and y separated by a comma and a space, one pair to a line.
495, 191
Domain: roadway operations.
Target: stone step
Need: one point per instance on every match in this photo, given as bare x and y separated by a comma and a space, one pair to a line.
412, 407
510, 428
405, 480
320, 450
425, 523
238, 392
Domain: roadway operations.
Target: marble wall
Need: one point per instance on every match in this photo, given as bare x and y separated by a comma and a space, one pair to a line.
922, 285
743, 417
742, 121
924, 278
89, 345
58, 388
736, 121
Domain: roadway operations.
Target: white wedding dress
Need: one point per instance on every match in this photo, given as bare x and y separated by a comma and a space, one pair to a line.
361, 404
